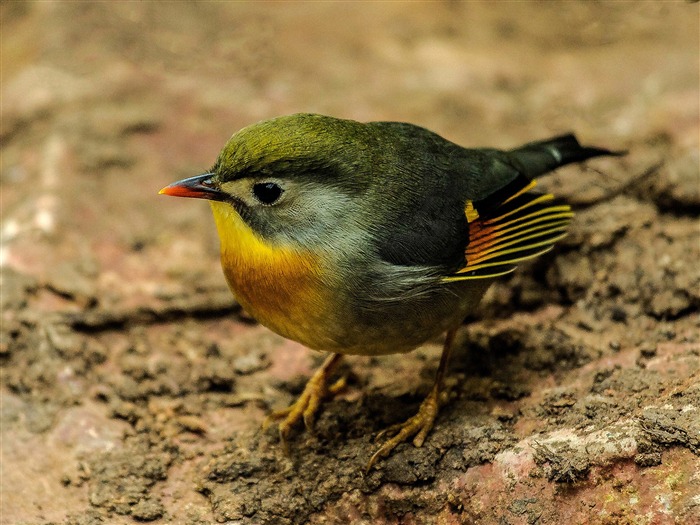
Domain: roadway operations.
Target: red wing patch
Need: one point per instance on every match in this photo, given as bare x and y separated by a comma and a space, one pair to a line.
522, 227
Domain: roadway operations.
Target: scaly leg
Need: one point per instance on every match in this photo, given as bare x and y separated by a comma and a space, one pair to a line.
307, 404
420, 424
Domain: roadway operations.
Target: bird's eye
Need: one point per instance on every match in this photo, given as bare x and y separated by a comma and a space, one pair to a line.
267, 192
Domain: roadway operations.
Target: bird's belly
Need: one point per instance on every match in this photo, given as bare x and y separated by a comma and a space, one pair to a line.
291, 299
402, 326
294, 294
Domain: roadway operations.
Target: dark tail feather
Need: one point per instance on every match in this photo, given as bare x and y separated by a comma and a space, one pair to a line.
537, 158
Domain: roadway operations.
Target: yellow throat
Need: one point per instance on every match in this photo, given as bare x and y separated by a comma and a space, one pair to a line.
280, 286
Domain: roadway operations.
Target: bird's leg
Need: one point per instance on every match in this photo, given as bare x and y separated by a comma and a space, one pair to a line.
420, 424
308, 403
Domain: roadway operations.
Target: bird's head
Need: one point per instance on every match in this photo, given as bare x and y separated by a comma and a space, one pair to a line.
291, 179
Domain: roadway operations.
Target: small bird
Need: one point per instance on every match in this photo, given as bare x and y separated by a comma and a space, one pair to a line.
372, 238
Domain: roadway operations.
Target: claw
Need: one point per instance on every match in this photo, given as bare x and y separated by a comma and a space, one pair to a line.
308, 403
418, 426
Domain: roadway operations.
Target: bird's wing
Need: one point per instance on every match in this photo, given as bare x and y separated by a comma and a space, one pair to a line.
511, 226
509, 223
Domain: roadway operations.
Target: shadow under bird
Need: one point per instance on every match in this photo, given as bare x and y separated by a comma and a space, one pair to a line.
372, 238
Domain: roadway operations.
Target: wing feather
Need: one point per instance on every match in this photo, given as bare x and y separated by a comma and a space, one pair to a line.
501, 235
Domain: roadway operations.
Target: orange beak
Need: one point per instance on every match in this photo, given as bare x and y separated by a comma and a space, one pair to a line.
199, 187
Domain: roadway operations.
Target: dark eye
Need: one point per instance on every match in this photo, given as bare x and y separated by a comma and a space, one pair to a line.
267, 192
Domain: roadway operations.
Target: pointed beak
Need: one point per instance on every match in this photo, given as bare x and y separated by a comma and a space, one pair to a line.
199, 187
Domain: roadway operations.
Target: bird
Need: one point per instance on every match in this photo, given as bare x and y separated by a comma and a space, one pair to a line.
372, 238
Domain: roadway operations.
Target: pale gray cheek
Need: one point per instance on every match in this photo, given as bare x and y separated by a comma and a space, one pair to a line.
322, 220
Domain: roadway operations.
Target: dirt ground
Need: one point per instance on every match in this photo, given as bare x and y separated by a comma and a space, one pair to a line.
133, 387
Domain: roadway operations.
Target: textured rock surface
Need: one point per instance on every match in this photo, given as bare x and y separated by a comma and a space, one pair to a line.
133, 387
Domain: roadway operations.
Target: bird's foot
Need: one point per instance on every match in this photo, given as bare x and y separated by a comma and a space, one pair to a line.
418, 426
308, 403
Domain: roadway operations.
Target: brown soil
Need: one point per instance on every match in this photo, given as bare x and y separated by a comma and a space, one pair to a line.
133, 388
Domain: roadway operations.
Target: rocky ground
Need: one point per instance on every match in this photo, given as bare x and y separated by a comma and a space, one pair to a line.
134, 388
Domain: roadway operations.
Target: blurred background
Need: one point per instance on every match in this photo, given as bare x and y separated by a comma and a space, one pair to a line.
104, 103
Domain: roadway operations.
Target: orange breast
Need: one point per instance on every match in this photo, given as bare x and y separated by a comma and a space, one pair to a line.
281, 287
